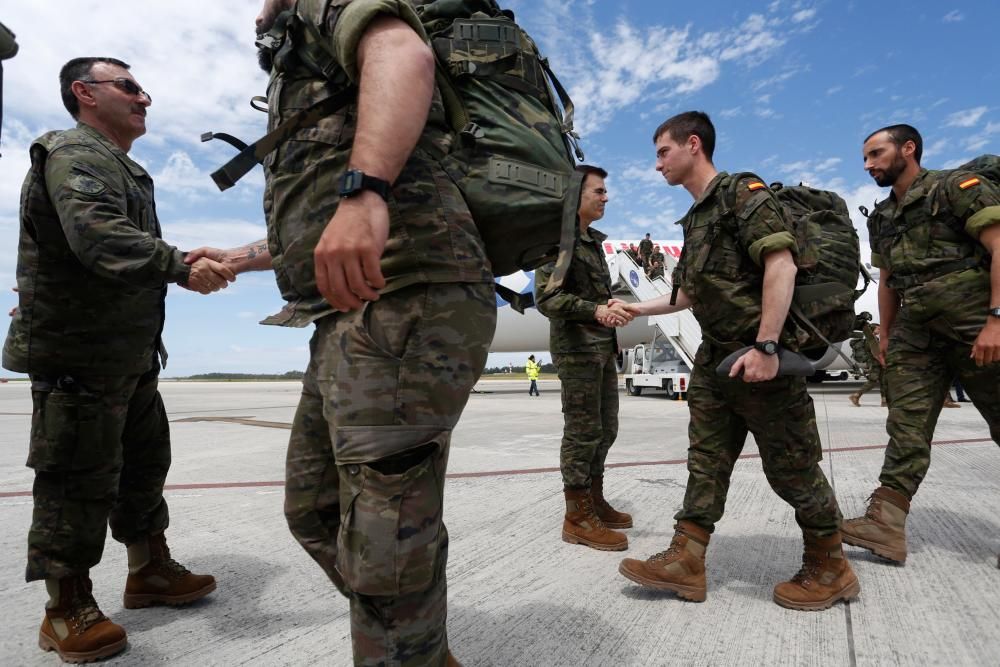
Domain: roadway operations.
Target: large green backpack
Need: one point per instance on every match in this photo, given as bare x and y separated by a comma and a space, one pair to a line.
829, 262
987, 166
512, 154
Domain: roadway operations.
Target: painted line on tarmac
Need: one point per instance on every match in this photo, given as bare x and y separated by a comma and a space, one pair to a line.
505, 473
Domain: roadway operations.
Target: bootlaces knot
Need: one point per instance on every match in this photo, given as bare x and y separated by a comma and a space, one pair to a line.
174, 568
874, 504
809, 570
84, 611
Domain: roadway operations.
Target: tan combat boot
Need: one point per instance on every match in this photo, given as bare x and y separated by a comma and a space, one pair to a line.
450, 661
74, 626
824, 578
156, 578
882, 530
681, 568
855, 399
583, 526
611, 517
949, 403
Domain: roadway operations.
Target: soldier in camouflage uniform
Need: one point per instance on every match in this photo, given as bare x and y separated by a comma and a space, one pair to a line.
737, 273
645, 250
395, 278
864, 349
583, 349
656, 256
92, 277
936, 242
655, 270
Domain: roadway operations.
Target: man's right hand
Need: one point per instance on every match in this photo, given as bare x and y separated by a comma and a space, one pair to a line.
208, 275
883, 348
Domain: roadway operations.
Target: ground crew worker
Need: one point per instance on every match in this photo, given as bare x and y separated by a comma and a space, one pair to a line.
864, 349
936, 242
584, 346
531, 369
737, 273
92, 280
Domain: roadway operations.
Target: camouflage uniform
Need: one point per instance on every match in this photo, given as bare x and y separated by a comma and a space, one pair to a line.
655, 257
721, 270
583, 351
941, 273
655, 271
645, 250
92, 276
864, 348
385, 384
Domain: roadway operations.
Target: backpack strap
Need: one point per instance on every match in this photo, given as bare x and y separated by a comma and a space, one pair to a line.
567, 234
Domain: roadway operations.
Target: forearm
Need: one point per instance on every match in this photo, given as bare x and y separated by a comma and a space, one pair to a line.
395, 90
661, 305
777, 292
562, 305
250, 257
888, 303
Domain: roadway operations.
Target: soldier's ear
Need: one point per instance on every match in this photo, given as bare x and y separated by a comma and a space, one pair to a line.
909, 148
84, 94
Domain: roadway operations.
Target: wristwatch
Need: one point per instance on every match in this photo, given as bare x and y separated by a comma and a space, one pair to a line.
768, 347
354, 181
994, 312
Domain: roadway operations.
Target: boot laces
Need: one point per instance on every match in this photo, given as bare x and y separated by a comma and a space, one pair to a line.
809, 570
83, 609
874, 505
169, 566
672, 552
587, 506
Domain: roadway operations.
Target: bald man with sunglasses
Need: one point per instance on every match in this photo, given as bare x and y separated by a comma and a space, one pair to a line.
92, 280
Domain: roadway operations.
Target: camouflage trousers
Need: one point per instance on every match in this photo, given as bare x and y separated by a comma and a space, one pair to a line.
367, 457
590, 414
923, 360
875, 378
779, 413
100, 448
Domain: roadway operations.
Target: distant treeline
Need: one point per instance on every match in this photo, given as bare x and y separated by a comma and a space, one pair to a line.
290, 375
517, 370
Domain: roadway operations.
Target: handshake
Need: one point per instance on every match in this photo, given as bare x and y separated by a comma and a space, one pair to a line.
208, 272
616, 313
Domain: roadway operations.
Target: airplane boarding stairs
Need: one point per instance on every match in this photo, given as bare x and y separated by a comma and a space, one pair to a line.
680, 329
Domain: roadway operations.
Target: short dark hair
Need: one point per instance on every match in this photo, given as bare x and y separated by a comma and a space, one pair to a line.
591, 169
900, 134
683, 125
78, 69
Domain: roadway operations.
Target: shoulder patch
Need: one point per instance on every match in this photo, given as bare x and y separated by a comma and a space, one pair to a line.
968, 183
755, 185
85, 184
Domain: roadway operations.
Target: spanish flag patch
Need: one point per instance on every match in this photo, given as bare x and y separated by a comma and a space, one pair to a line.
965, 185
757, 185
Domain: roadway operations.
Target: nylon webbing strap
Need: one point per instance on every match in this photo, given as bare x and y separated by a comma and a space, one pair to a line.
805, 321
228, 174
238, 144
517, 301
902, 282
567, 237
527, 177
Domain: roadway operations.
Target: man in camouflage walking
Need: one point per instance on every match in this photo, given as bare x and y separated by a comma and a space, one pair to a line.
864, 349
92, 277
936, 242
584, 345
737, 273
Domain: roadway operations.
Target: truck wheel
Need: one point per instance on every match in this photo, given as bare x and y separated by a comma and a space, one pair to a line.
632, 389
668, 386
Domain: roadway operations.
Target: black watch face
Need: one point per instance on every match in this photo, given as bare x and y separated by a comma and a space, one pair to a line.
767, 347
350, 182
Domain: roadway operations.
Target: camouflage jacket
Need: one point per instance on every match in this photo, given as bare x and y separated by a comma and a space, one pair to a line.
657, 257
721, 266
932, 235
570, 309
645, 248
92, 271
864, 348
432, 237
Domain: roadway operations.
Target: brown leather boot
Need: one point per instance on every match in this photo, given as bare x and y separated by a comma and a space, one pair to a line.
450, 661
681, 568
855, 399
74, 626
948, 403
882, 530
583, 526
156, 578
611, 517
824, 578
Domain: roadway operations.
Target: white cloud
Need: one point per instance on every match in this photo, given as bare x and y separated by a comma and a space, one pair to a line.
803, 15
954, 16
833, 90
731, 113
936, 148
966, 117
862, 195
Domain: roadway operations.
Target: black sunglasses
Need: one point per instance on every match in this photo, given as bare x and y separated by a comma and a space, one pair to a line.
127, 85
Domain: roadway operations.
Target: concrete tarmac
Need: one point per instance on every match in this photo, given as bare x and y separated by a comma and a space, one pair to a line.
518, 595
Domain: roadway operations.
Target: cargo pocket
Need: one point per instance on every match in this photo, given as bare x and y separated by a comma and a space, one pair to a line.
391, 529
66, 432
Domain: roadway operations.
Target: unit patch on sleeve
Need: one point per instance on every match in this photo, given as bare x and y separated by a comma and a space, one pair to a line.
966, 184
757, 185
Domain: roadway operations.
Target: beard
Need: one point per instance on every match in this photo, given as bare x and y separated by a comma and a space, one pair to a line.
890, 175
265, 58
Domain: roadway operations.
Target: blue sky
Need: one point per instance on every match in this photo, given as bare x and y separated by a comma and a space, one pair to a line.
793, 88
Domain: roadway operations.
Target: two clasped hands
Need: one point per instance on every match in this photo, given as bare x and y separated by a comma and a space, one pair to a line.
616, 313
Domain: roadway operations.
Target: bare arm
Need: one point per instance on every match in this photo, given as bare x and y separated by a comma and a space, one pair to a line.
888, 307
986, 349
776, 298
660, 305
395, 89
250, 257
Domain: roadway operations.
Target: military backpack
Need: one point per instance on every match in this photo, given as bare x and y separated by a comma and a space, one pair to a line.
512, 154
829, 262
